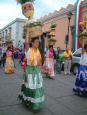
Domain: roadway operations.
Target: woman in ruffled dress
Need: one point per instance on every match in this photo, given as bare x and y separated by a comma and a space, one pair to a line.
80, 87
9, 66
49, 63
32, 92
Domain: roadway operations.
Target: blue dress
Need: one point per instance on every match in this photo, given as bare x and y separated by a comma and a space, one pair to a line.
80, 87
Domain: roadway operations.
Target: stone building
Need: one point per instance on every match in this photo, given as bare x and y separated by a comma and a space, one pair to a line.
14, 32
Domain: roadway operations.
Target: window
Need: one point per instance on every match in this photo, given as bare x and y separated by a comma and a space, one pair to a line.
77, 55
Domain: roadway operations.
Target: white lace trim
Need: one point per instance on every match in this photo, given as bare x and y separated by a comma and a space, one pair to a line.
33, 100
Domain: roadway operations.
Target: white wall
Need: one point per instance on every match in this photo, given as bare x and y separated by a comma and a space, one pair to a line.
16, 31
13, 33
20, 32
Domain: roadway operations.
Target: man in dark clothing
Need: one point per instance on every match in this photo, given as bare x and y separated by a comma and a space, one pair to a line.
54, 54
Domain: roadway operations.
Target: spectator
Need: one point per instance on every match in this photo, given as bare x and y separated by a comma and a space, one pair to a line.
67, 57
49, 63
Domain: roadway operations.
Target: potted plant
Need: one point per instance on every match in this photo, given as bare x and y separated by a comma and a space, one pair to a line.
53, 26
52, 41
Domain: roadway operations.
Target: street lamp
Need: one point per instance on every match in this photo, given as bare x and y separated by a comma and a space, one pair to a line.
67, 35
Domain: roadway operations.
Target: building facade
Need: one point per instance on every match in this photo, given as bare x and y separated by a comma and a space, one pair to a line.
13, 31
64, 25
61, 19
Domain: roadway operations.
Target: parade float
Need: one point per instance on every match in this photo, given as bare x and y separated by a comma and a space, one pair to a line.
32, 28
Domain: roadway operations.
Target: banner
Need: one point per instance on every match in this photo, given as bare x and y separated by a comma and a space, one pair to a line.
77, 23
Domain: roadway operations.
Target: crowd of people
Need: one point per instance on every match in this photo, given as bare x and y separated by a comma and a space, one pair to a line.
30, 58
8, 54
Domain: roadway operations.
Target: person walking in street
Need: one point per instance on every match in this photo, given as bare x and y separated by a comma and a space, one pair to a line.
58, 61
32, 92
67, 58
80, 87
49, 63
9, 65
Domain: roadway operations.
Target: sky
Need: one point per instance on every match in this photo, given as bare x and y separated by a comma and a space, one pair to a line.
10, 10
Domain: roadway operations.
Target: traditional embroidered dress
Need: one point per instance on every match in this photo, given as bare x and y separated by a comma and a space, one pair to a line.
9, 66
49, 64
80, 87
32, 93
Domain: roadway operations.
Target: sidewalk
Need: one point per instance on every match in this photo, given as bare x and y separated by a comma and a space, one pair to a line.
60, 99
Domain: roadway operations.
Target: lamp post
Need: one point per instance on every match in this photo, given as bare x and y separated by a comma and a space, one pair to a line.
67, 35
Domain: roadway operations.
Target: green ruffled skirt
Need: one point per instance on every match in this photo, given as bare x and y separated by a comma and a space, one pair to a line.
32, 92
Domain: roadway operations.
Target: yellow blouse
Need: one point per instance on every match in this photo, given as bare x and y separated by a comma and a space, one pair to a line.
34, 57
67, 54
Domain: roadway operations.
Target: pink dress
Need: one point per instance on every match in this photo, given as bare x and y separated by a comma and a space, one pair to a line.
49, 64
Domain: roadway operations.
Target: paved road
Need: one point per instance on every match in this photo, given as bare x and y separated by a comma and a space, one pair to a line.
60, 99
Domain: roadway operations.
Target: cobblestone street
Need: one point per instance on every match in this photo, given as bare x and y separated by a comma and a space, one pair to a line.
59, 97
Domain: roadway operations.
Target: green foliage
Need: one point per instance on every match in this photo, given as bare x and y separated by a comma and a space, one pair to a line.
53, 26
82, 34
34, 24
24, 1
52, 40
